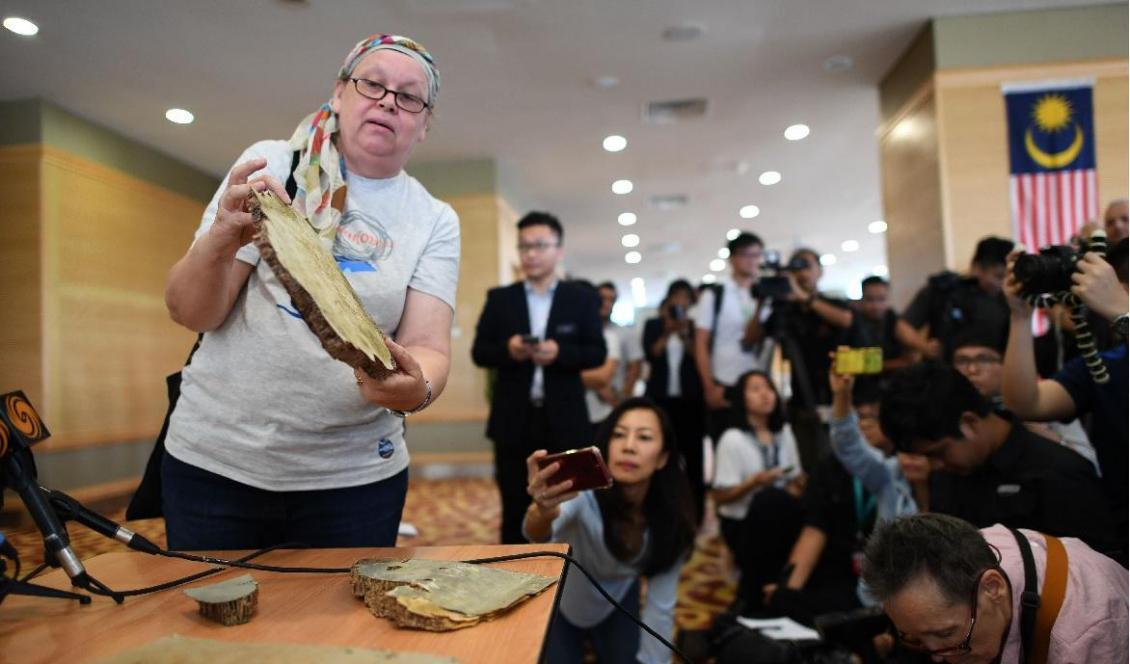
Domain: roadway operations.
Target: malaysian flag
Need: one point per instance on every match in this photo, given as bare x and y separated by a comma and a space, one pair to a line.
1052, 160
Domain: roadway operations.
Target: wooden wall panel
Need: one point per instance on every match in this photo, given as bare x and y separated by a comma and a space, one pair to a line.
973, 144
20, 273
464, 398
109, 241
908, 152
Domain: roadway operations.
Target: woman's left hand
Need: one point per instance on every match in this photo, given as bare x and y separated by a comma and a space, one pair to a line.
403, 389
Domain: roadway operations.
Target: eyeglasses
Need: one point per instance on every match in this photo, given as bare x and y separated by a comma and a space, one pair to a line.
535, 247
377, 91
976, 361
965, 645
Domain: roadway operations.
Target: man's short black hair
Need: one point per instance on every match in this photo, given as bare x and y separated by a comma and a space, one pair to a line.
973, 335
543, 219
925, 402
805, 251
607, 284
992, 251
742, 241
950, 551
875, 281
681, 285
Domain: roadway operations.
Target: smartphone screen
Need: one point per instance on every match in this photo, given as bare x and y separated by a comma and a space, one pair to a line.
530, 339
584, 466
859, 360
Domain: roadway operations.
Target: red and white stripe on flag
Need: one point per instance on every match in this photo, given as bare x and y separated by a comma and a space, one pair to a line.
1049, 208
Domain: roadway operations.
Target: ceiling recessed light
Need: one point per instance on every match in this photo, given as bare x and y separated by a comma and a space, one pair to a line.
880, 271
21, 26
630, 240
723, 253
732, 234
828, 259
622, 187
769, 178
877, 227
626, 218
796, 132
633, 257
838, 63
717, 265
615, 143
850, 246
179, 116
709, 278
749, 211
605, 82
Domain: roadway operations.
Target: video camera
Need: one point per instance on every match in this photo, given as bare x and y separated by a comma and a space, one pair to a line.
1050, 270
774, 280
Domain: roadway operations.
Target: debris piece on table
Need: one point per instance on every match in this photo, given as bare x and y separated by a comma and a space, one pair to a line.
230, 602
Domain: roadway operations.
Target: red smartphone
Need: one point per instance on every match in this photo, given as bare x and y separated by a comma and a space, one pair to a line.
584, 466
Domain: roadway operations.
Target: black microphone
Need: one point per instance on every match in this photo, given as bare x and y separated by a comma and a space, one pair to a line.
69, 508
55, 539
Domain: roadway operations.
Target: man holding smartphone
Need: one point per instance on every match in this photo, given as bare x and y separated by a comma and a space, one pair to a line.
538, 335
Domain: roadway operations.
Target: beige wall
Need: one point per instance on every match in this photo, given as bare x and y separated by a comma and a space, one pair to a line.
21, 308
973, 145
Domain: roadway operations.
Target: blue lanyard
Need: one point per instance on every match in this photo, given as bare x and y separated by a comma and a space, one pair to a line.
863, 506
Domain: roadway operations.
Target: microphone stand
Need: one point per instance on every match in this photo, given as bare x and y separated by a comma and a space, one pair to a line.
57, 545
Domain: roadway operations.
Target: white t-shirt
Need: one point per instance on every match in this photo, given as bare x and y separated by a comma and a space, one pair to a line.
631, 350
675, 352
728, 360
598, 409
741, 455
262, 402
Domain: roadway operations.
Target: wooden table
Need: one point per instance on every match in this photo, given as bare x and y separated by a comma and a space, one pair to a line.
293, 608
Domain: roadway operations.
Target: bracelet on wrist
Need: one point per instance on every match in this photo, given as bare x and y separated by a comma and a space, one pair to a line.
423, 404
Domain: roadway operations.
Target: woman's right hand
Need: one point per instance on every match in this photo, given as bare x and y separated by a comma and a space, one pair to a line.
547, 498
234, 226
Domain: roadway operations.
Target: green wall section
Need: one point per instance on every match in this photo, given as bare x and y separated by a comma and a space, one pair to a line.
1032, 37
35, 121
1004, 39
445, 179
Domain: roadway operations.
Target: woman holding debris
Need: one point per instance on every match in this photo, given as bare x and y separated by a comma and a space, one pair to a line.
272, 440
643, 526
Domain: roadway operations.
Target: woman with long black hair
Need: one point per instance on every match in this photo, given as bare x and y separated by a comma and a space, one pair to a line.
641, 527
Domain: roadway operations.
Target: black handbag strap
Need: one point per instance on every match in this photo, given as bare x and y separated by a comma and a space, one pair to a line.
1030, 597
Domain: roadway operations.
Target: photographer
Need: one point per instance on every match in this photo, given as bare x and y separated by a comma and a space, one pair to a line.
808, 326
955, 593
950, 303
673, 382
641, 527
880, 325
722, 350
991, 468
1102, 286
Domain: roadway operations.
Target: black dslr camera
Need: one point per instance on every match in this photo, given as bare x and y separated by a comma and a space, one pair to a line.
1050, 270
774, 281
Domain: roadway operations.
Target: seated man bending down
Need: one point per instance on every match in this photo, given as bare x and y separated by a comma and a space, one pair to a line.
955, 593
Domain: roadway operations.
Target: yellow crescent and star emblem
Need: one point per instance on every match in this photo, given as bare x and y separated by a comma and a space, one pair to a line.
1052, 114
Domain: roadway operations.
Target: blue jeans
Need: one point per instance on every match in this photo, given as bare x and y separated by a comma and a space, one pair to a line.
615, 640
206, 511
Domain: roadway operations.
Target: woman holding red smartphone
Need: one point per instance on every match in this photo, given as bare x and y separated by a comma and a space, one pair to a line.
642, 526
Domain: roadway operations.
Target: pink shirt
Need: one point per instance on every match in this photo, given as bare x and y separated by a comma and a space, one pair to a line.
1092, 623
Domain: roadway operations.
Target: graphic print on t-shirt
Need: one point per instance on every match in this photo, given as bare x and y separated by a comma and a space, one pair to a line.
361, 237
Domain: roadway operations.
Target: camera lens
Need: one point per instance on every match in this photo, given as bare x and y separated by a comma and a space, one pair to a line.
1046, 272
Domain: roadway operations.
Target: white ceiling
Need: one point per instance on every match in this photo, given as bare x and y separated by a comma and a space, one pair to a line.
517, 86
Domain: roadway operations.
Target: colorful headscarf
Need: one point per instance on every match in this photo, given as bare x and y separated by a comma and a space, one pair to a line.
320, 174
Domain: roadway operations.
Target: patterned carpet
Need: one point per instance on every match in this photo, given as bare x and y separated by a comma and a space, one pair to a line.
450, 511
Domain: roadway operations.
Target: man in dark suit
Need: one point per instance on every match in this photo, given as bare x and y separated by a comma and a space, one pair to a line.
538, 334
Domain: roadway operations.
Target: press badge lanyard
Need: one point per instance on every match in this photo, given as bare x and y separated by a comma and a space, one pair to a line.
864, 507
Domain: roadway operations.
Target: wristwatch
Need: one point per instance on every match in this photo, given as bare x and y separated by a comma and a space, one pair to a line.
423, 404
1121, 324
